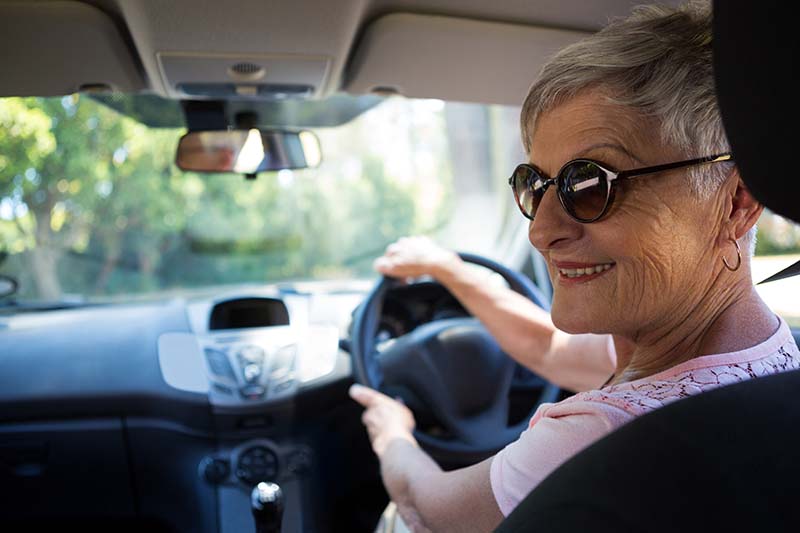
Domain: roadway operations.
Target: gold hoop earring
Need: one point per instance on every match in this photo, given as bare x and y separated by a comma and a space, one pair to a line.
738, 258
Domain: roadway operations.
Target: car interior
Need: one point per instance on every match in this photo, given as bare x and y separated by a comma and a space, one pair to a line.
212, 396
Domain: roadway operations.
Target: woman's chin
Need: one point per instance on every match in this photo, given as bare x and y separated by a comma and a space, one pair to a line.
575, 321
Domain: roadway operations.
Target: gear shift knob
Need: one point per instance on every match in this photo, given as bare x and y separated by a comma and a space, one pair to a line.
266, 503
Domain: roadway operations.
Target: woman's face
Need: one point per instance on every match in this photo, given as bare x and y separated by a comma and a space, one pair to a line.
654, 248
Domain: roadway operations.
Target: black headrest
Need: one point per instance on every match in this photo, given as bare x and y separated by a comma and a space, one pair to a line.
755, 51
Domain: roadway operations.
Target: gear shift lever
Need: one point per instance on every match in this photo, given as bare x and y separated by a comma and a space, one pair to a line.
266, 503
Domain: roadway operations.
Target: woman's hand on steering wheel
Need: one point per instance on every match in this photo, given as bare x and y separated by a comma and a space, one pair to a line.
412, 257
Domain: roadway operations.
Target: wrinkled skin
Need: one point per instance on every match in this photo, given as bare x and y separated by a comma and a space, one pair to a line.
668, 285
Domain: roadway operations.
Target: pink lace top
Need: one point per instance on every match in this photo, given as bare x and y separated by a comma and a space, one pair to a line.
558, 431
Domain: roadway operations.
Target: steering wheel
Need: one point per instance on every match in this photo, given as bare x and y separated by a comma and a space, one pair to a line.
454, 366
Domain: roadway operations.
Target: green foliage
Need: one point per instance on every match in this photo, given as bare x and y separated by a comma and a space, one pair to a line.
92, 204
776, 235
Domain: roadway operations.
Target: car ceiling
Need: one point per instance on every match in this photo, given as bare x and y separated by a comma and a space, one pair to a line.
449, 49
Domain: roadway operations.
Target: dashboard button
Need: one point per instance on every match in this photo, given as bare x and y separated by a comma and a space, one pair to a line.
215, 470
284, 357
251, 354
219, 364
252, 392
251, 372
222, 389
279, 374
282, 362
257, 464
283, 386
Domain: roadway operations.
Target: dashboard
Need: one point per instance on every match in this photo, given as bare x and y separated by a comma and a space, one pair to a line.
166, 414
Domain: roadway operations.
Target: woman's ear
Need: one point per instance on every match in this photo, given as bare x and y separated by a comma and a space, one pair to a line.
743, 210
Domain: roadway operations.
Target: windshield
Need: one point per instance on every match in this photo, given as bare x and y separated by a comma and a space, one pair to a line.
92, 206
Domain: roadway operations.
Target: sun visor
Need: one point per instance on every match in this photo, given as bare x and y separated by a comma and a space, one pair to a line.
56, 48
450, 58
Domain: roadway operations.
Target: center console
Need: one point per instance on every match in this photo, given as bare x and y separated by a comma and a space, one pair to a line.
255, 358
263, 366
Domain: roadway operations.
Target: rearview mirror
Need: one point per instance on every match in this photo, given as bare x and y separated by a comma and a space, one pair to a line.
247, 151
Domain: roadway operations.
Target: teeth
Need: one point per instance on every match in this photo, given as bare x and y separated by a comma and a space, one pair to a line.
575, 272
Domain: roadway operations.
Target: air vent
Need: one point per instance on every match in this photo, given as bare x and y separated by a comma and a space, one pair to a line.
246, 71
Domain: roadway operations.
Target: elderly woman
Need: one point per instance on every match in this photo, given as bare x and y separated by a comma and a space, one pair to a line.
636, 205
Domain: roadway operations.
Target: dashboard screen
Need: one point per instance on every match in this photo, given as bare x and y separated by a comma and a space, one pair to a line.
249, 313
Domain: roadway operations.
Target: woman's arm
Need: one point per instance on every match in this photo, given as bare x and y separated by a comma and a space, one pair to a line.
431, 499
427, 498
523, 330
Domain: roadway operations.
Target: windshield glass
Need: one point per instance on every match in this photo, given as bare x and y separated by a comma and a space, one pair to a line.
93, 207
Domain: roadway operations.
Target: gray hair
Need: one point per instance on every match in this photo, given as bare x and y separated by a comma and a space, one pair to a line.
657, 61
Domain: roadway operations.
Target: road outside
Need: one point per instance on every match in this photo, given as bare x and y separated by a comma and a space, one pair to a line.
784, 295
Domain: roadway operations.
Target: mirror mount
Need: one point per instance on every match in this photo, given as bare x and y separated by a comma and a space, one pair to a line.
202, 115
246, 120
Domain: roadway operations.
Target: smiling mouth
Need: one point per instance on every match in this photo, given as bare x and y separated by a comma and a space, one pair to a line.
585, 271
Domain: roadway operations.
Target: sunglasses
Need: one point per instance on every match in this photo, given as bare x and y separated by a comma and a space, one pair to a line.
584, 187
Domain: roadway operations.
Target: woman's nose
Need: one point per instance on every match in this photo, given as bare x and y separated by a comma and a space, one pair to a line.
552, 227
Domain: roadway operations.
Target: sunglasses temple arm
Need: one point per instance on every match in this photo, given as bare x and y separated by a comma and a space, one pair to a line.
627, 174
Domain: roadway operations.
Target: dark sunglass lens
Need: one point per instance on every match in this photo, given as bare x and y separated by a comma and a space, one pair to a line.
584, 190
527, 190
